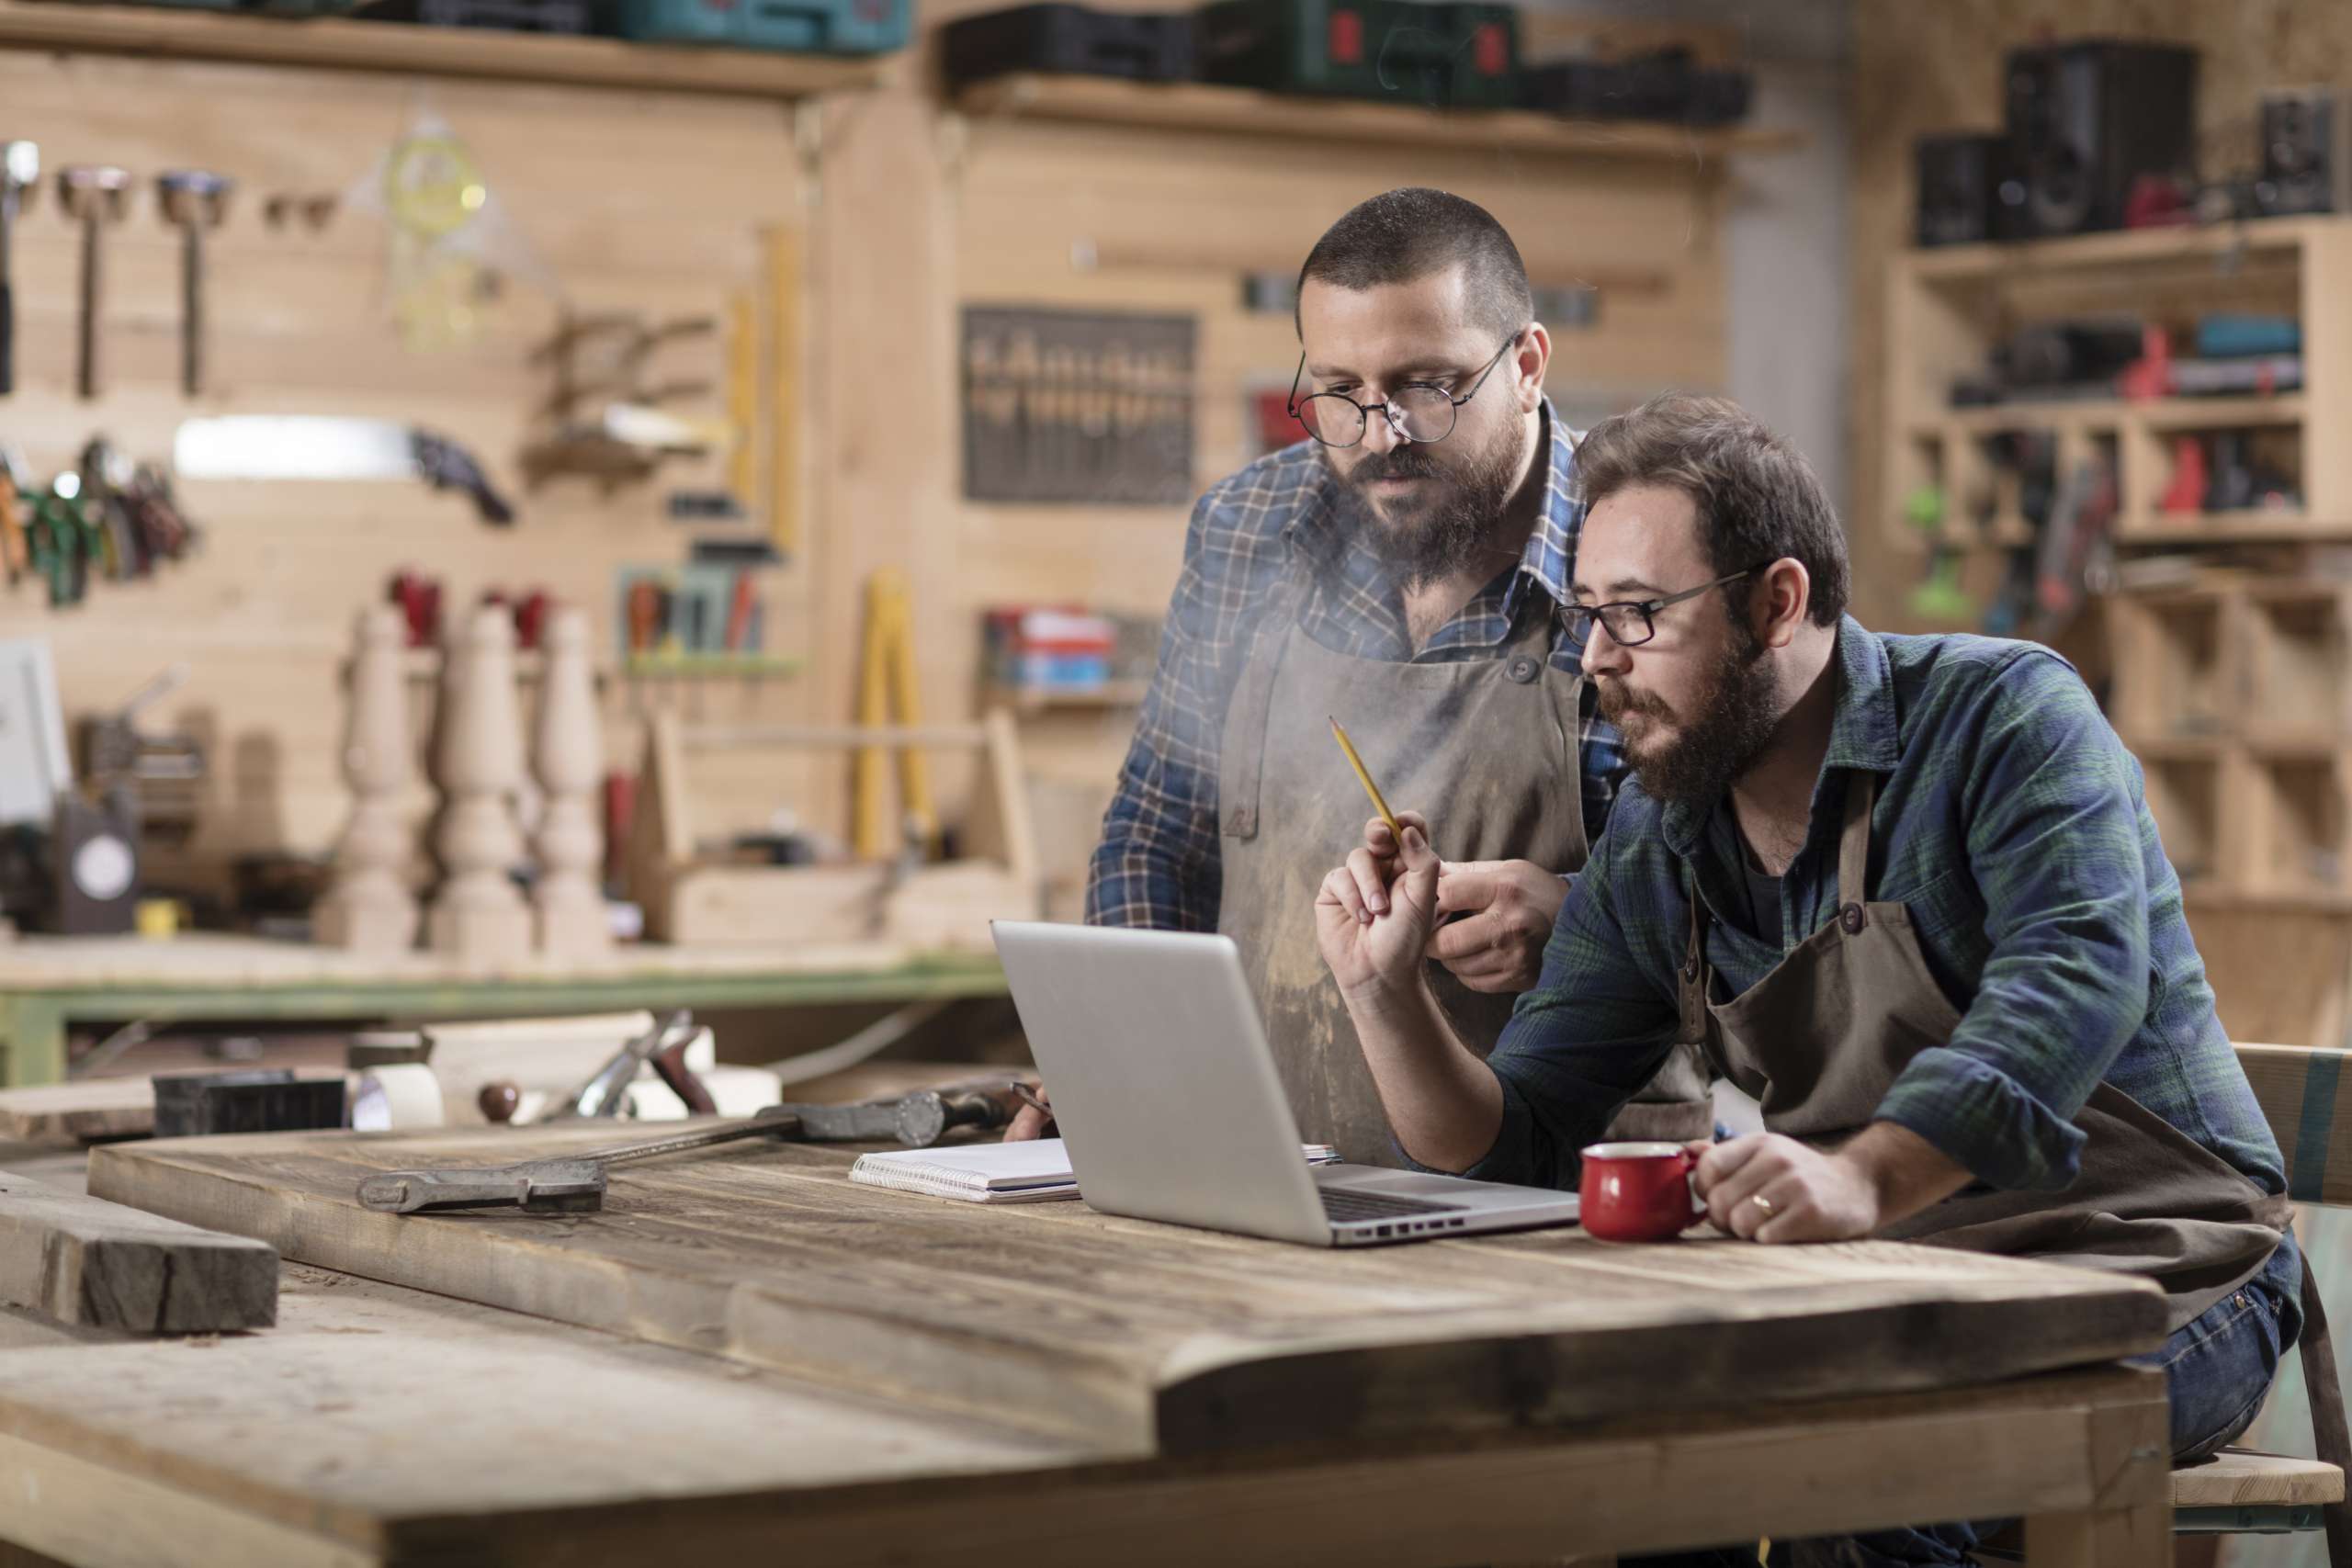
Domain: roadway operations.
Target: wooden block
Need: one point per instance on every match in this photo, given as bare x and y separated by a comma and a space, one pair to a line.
92, 1109
949, 907
93, 1264
785, 906
98, 1108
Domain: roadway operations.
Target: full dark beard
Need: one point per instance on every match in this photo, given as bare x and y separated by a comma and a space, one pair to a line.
1734, 719
1450, 534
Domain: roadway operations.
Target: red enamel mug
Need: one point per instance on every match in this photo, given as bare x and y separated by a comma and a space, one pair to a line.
1638, 1191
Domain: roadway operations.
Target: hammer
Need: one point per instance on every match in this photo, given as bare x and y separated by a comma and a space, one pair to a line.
93, 194
193, 201
20, 182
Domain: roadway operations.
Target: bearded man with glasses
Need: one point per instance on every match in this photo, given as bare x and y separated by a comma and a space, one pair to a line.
1904, 891
1406, 572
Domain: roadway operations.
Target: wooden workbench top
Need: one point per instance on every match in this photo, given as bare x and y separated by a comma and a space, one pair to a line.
1137, 1339
51, 963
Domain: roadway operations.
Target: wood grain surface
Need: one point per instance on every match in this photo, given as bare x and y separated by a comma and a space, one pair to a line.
1143, 1337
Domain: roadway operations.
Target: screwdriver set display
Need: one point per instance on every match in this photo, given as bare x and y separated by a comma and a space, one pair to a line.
108, 519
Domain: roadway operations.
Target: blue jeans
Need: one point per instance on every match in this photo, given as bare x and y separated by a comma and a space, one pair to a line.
2217, 1370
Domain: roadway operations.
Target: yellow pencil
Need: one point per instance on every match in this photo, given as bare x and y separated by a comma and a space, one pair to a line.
1370, 788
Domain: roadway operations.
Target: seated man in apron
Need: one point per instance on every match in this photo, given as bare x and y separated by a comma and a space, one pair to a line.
1903, 890
1405, 572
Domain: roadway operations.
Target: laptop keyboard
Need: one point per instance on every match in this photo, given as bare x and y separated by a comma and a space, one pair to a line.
1343, 1207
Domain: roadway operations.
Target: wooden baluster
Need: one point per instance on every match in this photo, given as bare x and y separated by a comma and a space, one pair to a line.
567, 754
370, 908
479, 917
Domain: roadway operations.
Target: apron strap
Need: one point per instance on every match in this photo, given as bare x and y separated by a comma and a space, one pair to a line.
1253, 698
1692, 987
1854, 848
2327, 1415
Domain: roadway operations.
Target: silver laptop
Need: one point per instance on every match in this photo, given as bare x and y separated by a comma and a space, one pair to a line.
1166, 1095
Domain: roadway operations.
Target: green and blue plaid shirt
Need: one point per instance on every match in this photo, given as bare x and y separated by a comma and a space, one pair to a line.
2010, 821
1159, 865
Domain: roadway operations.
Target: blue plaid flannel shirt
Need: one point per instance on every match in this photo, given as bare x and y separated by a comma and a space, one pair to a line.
1159, 864
2013, 825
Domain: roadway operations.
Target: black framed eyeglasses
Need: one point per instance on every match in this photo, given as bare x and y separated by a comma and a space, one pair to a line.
1420, 411
1633, 622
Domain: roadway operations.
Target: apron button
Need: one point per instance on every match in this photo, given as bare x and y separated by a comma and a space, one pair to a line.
1522, 668
1851, 918
1691, 970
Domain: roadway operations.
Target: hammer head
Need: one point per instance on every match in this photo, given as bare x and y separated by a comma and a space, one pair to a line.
20, 170
94, 191
194, 199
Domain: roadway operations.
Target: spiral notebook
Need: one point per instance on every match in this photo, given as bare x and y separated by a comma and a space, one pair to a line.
1034, 1172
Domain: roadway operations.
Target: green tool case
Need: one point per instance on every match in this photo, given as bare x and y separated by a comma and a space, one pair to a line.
1459, 56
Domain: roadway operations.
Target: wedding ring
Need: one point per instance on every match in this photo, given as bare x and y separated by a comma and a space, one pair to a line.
1763, 1204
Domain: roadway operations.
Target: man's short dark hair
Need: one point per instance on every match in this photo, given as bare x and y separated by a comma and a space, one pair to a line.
1758, 499
1403, 236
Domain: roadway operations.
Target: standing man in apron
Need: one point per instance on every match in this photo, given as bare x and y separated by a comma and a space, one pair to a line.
1404, 571
1903, 890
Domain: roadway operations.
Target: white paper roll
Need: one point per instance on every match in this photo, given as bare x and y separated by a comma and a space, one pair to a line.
401, 1096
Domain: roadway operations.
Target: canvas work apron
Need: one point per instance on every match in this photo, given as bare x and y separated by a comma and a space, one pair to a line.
1488, 749
1820, 1039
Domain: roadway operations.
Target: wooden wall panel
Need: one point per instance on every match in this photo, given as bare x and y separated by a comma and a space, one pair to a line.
658, 201
638, 201
1173, 221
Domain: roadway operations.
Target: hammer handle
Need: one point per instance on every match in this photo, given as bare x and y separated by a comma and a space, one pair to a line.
7, 338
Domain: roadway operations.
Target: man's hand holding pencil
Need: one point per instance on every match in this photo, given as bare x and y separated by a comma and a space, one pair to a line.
1375, 915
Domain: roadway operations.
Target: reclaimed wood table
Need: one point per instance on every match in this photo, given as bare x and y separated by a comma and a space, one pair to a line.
48, 983
751, 1355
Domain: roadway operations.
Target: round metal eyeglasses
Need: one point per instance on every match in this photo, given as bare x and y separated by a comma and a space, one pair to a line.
1420, 411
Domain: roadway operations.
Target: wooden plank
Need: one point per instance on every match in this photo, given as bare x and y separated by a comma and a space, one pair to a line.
540, 1444
212, 962
1194, 106
430, 1416
2241, 1477
337, 45
96, 1108
93, 1264
1146, 1338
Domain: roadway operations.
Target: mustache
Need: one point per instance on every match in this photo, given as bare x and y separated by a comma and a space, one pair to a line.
1401, 463
1617, 700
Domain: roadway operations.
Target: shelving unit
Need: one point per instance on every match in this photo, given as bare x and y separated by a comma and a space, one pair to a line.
1246, 111
2234, 687
1949, 306
331, 43
1027, 701
2231, 691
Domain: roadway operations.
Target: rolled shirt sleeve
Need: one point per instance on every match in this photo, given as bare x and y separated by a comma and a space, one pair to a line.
1581, 1044
2052, 810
